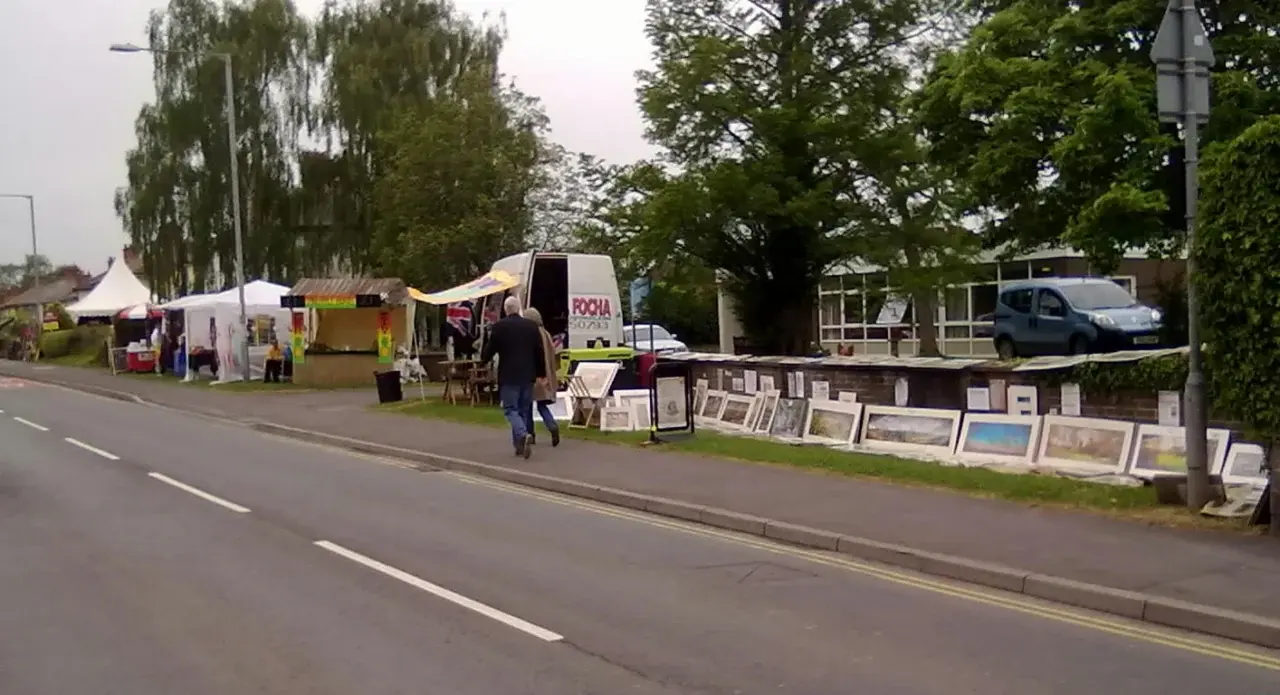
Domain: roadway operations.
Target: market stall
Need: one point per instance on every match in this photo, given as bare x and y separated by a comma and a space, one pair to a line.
351, 328
113, 301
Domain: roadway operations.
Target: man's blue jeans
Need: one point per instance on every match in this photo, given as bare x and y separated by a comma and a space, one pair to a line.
517, 406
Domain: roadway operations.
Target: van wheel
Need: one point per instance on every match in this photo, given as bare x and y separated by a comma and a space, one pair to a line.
1079, 345
1005, 349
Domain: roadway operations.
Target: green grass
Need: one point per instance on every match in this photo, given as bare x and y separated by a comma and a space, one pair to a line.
72, 360
1027, 489
259, 386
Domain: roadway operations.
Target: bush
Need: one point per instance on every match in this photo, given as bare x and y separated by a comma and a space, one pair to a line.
88, 343
1238, 277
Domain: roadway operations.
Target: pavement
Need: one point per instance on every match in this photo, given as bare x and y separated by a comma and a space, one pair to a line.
1137, 570
150, 551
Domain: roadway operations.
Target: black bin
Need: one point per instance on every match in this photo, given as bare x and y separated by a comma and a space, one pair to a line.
389, 390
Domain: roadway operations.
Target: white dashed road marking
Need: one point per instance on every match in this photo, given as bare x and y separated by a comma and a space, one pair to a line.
200, 493
30, 424
441, 592
92, 449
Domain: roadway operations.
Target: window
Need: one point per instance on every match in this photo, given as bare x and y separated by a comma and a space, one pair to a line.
830, 310
1017, 270
1051, 304
853, 308
632, 335
984, 302
955, 304
1125, 283
1098, 295
831, 283
1018, 300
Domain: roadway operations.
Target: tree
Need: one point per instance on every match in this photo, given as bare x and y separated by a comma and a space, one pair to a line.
1046, 115
1239, 283
457, 175
766, 112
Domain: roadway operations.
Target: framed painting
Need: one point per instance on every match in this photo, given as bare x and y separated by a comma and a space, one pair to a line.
637, 399
700, 388
562, 406
712, 404
996, 437
1090, 445
831, 422
753, 415
920, 430
597, 377
767, 406
616, 419
737, 406
788, 418
1162, 451
1246, 463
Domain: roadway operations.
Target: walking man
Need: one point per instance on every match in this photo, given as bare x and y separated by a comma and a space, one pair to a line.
521, 361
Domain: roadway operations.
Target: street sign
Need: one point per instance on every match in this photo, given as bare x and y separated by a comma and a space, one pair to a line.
1181, 43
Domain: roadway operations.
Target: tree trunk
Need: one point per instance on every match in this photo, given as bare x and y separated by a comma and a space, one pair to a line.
926, 310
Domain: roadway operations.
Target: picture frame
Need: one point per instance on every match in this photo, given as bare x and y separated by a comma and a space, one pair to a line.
1089, 445
634, 398
617, 419
998, 438
562, 406
597, 377
712, 404
832, 422
733, 416
1246, 463
753, 415
917, 430
788, 418
672, 403
769, 404
1160, 451
700, 388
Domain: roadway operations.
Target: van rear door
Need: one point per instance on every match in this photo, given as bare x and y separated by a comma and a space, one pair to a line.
595, 311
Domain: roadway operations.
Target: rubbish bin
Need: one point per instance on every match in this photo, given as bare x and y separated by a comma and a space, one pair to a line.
389, 390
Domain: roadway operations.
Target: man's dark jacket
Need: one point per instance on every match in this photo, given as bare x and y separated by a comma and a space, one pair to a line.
518, 344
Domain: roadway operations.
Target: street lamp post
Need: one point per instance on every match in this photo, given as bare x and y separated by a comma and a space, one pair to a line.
235, 178
31, 207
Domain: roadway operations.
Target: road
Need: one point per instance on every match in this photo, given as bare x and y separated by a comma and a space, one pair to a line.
149, 552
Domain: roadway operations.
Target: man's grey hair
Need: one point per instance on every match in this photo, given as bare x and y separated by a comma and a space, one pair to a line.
511, 307
533, 315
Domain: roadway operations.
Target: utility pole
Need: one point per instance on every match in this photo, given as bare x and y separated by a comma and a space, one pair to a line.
1182, 56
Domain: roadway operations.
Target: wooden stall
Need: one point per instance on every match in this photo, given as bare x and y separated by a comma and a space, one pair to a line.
355, 326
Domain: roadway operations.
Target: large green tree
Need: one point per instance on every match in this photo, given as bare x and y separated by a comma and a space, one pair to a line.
767, 113
1046, 115
1239, 281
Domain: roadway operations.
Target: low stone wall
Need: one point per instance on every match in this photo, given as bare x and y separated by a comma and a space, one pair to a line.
932, 382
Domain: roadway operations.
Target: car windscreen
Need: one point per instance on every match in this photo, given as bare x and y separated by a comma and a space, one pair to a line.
1095, 296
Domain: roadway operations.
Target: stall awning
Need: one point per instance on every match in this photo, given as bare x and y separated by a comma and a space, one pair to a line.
483, 286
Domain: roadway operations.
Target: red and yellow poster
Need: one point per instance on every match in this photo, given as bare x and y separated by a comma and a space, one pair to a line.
298, 337
386, 354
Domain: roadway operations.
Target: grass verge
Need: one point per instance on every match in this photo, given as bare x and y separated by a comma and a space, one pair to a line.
1030, 489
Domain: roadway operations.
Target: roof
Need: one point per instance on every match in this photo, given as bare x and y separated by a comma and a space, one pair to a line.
993, 256
119, 289
54, 292
392, 289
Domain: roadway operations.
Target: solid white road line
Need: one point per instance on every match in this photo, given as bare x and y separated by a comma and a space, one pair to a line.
441, 592
92, 449
31, 424
200, 493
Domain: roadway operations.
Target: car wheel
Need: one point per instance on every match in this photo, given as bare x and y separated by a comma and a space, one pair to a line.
1079, 345
1005, 349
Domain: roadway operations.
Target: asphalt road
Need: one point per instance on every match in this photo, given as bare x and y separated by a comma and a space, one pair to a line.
146, 552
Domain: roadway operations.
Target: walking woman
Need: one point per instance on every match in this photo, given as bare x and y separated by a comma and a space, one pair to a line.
544, 389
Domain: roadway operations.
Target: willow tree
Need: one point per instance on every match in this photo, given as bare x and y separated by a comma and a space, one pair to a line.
767, 110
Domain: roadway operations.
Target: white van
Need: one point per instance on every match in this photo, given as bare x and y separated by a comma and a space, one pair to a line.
576, 293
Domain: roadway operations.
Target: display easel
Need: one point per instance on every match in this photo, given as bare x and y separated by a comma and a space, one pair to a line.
585, 406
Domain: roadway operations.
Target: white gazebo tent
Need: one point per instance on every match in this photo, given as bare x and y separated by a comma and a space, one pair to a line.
118, 290
225, 333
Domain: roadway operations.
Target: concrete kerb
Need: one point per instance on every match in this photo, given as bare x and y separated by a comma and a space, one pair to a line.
1157, 610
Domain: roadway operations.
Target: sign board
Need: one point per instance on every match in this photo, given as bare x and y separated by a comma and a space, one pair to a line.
592, 315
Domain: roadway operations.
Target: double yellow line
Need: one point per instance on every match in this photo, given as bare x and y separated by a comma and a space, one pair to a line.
1166, 638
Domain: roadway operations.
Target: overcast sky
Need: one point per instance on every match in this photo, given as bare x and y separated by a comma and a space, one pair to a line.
67, 105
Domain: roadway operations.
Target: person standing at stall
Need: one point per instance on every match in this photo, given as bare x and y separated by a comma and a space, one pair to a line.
517, 343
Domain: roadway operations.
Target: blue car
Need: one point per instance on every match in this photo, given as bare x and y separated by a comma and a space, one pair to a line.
1071, 316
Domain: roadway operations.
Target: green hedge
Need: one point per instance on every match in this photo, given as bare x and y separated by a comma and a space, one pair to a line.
87, 343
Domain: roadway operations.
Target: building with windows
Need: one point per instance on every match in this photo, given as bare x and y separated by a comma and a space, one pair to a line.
857, 310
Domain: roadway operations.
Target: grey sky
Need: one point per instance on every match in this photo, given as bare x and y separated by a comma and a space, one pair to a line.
67, 105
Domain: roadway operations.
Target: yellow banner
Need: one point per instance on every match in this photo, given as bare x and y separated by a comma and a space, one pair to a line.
298, 337
339, 301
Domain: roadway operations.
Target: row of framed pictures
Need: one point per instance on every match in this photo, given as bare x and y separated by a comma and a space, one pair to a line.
624, 410
1087, 446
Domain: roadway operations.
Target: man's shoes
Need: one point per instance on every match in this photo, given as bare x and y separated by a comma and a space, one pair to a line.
533, 438
555, 437
527, 448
